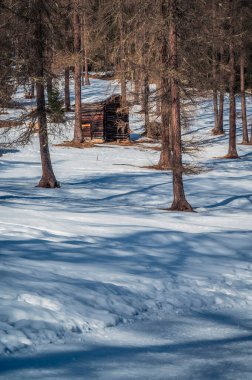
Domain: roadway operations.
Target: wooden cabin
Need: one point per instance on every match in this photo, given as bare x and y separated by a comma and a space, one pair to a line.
104, 121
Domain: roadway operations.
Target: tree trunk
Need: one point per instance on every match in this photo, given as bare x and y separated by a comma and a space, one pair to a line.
214, 73
49, 86
221, 112
67, 69
67, 89
136, 78
136, 92
87, 81
222, 93
85, 50
245, 139
49, 79
82, 53
122, 54
179, 202
48, 178
232, 152
146, 96
216, 112
215, 94
165, 161
78, 135
158, 98
32, 89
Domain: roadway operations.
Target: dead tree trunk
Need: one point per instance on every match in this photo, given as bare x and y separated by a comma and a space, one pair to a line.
179, 202
48, 179
78, 136
245, 139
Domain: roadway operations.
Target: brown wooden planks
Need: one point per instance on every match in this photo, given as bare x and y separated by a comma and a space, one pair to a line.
105, 120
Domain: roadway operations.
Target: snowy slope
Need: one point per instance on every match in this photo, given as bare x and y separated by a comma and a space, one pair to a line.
101, 251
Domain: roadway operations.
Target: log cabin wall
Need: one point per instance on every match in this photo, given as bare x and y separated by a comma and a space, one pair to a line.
116, 121
92, 121
105, 121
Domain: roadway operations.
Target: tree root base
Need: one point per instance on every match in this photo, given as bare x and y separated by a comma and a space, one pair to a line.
46, 184
232, 156
217, 132
183, 206
245, 143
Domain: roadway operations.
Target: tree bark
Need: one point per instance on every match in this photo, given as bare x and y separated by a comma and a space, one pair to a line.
78, 135
146, 96
32, 89
85, 51
49, 86
136, 91
232, 152
67, 69
216, 112
215, 94
179, 202
245, 139
222, 93
122, 54
136, 78
158, 98
48, 179
165, 161
49, 78
216, 129
67, 89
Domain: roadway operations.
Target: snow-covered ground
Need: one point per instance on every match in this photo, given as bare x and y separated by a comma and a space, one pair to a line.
98, 281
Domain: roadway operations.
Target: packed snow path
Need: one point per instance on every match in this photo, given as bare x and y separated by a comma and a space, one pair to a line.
98, 281
204, 346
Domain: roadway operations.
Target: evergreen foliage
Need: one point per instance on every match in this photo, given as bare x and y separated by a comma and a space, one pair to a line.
55, 106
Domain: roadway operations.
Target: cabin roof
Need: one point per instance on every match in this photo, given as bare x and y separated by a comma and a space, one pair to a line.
101, 104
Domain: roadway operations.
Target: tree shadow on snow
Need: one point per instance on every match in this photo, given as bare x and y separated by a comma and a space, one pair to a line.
7, 151
216, 358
